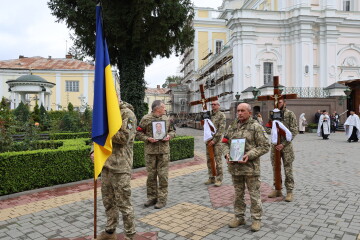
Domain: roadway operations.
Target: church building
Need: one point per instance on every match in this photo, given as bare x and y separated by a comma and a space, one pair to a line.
312, 45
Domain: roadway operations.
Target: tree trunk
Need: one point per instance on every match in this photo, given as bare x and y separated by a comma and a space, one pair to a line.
132, 83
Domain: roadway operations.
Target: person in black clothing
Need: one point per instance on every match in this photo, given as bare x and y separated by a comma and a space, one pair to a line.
317, 116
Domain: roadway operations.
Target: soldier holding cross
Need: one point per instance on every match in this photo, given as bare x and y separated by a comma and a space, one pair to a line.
283, 133
287, 152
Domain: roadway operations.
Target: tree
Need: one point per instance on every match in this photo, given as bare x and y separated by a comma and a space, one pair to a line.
6, 129
22, 113
70, 107
171, 79
44, 119
36, 113
136, 32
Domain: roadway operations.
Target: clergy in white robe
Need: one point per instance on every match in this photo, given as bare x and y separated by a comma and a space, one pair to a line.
352, 127
324, 125
302, 123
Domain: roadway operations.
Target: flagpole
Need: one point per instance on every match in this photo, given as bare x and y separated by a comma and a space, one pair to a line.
95, 205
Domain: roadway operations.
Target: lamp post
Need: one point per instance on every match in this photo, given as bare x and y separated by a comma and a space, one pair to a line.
237, 97
255, 92
347, 92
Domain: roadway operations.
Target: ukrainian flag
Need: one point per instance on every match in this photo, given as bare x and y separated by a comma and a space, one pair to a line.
106, 112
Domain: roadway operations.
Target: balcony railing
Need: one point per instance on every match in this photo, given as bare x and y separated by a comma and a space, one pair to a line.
307, 92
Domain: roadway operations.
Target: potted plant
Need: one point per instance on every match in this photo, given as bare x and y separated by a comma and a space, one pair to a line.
312, 127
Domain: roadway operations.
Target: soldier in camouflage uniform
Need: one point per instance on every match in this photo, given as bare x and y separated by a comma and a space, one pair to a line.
287, 152
116, 176
157, 155
219, 120
247, 171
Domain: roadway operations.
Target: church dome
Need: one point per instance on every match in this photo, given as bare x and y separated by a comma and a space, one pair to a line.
29, 78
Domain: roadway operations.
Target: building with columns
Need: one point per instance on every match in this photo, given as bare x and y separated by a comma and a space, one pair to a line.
309, 44
55, 82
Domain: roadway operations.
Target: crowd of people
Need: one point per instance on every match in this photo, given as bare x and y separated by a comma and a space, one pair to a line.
156, 130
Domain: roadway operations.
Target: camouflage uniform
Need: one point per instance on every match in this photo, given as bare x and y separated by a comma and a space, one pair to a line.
287, 153
116, 175
256, 145
157, 157
219, 120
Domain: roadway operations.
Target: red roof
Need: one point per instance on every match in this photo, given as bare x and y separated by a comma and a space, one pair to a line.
156, 90
40, 63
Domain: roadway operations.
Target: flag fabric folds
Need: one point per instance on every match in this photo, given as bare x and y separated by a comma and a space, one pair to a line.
106, 112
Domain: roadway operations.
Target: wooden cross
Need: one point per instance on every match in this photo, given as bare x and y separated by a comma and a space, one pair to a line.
276, 97
203, 102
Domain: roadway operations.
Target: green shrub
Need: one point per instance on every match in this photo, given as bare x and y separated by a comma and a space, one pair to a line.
21, 171
57, 136
312, 126
26, 170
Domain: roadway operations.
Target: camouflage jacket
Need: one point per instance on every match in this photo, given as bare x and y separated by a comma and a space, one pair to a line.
121, 159
145, 130
256, 145
219, 120
291, 123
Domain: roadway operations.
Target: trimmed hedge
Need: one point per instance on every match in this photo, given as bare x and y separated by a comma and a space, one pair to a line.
26, 170
21, 171
58, 136
35, 145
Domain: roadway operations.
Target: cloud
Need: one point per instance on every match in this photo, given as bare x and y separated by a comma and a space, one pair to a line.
28, 28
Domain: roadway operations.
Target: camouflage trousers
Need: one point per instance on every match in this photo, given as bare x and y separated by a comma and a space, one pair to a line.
287, 156
116, 196
157, 166
218, 161
253, 186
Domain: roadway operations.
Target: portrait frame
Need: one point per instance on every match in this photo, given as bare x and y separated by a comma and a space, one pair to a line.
155, 129
237, 149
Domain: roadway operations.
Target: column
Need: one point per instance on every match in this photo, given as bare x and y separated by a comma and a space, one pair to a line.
42, 98
58, 91
12, 106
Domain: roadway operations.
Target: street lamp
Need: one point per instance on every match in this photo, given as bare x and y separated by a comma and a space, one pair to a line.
255, 92
237, 96
347, 92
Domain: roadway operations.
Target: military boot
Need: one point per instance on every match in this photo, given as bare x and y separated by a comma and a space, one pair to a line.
106, 236
275, 193
209, 181
289, 197
160, 205
150, 203
255, 226
236, 222
218, 183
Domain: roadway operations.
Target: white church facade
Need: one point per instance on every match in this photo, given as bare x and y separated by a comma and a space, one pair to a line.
244, 43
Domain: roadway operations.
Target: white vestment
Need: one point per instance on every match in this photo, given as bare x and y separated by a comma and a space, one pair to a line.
351, 122
325, 125
208, 133
302, 121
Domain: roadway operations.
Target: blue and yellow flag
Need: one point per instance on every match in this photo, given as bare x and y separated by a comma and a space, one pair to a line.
106, 113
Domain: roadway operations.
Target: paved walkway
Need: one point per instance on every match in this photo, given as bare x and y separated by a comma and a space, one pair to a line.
326, 206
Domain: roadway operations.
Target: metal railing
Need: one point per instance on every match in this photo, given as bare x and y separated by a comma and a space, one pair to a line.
307, 92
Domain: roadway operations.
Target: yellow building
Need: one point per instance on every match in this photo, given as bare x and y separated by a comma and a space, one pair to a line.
152, 94
72, 81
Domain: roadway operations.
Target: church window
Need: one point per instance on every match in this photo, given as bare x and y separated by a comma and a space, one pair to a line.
72, 86
218, 46
347, 5
268, 72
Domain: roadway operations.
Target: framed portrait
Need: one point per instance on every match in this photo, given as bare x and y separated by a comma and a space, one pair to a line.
159, 129
237, 149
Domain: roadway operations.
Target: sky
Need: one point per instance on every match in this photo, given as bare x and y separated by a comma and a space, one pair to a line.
27, 28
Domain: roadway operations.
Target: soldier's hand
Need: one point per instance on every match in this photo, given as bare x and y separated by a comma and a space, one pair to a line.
244, 159
92, 157
211, 143
167, 138
152, 140
227, 157
279, 147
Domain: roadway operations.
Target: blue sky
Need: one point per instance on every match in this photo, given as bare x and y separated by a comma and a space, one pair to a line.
28, 28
